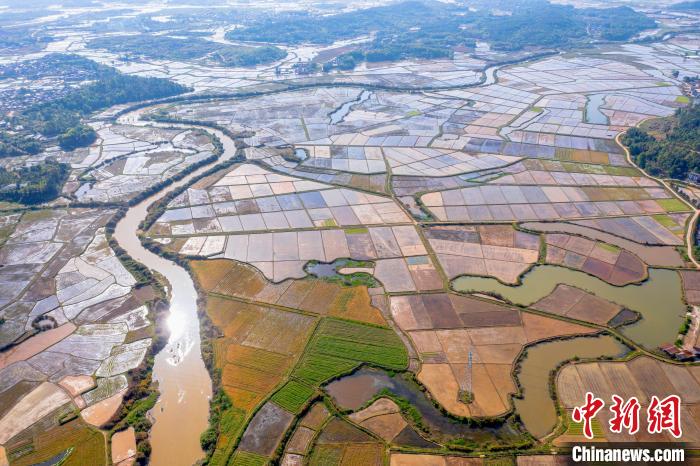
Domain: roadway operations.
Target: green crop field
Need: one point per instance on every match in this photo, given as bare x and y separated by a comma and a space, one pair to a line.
672, 205
293, 396
231, 426
326, 455
338, 346
244, 458
577, 429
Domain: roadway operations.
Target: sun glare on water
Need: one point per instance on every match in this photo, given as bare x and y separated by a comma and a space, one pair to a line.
176, 325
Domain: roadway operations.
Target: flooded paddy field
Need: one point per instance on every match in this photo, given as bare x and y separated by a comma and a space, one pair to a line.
662, 310
663, 256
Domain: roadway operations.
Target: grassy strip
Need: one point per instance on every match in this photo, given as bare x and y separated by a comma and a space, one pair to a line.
407, 409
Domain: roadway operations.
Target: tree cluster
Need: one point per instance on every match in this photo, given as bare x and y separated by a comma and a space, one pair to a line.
429, 29
58, 116
171, 48
675, 153
12, 145
33, 184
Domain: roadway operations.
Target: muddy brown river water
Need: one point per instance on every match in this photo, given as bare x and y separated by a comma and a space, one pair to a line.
182, 411
536, 408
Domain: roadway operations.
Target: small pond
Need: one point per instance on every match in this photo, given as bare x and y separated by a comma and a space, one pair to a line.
593, 113
353, 391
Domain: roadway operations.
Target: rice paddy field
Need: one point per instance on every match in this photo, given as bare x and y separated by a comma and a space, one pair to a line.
633, 378
74, 325
451, 200
425, 221
127, 160
275, 353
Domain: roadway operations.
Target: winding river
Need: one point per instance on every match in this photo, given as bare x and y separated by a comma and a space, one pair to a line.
182, 411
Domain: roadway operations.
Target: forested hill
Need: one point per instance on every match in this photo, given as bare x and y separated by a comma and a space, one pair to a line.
110, 87
61, 117
672, 149
171, 48
409, 28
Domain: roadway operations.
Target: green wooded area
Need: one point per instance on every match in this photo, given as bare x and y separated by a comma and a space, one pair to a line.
416, 29
674, 151
33, 184
171, 48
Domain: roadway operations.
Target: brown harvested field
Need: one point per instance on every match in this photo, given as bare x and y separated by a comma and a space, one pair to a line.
123, 445
380, 407
543, 460
249, 379
296, 293
650, 378
444, 347
408, 274
446, 311
382, 417
292, 459
12, 395
310, 295
209, 273
573, 302
258, 349
77, 384
339, 431
355, 303
386, 426
300, 441
443, 386
641, 377
341, 443
45, 399
406, 459
316, 416
363, 454
87, 443
260, 327
260, 344
102, 411
691, 286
